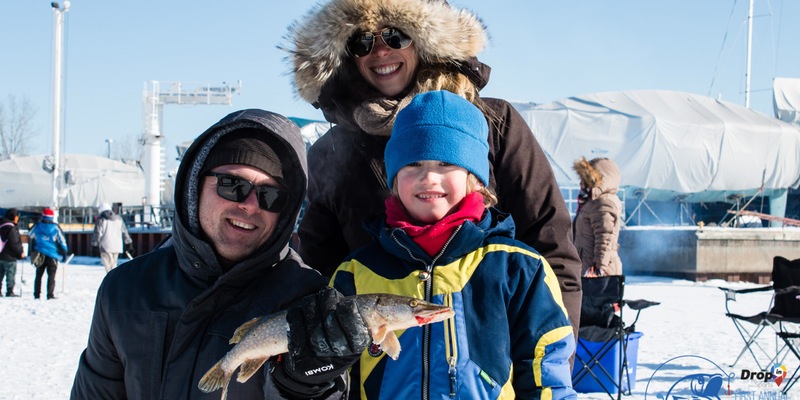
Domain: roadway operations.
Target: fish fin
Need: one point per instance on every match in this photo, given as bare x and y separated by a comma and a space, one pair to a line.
249, 368
378, 333
243, 329
214, 379
390, 345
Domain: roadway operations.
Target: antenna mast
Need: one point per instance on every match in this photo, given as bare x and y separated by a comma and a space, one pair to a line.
749, 55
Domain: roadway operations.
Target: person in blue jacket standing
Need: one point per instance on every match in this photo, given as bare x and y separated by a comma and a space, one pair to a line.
47, 238
442, 241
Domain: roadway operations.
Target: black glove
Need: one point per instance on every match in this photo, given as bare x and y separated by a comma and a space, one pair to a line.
96, 251
326, 336
129, 249
64, 258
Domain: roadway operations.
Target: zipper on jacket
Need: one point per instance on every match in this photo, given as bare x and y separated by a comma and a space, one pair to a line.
426, 277
452, 372
451, 347
410, 253
426, 330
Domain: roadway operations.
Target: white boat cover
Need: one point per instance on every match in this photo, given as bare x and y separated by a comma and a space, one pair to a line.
786, 99
675, 144
95, 180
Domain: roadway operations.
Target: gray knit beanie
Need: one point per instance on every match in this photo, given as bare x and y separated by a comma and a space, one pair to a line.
245, 147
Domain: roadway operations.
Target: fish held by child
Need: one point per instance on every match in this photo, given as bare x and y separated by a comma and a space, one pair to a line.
261, 338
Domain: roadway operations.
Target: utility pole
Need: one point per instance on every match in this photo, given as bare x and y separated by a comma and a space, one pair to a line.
58, 47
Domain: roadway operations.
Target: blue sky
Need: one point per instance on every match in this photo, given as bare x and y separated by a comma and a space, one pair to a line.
540, 51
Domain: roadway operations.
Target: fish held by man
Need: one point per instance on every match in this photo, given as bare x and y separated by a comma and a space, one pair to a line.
261, 338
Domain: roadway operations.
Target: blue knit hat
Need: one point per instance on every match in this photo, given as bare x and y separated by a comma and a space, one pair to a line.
439, 126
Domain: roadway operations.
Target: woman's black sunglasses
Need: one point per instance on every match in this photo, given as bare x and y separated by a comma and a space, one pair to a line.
234, 188
362, 43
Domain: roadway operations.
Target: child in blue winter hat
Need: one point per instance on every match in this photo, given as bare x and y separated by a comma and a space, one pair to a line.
442, 241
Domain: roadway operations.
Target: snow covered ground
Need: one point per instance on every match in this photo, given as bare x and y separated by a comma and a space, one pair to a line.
41, 340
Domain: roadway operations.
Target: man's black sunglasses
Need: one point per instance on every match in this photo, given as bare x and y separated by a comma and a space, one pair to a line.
362, 43
234, 188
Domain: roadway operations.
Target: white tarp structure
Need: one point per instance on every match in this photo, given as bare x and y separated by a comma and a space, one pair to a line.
674, 144
786, 99
87, 181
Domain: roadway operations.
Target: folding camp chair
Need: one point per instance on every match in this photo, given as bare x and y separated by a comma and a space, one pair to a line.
790, 339
780, 318
601, 360
787, 301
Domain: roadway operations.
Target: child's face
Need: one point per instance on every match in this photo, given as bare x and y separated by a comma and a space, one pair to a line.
430, 190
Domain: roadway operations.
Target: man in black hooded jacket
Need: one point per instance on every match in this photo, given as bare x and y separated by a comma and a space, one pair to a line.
164, 319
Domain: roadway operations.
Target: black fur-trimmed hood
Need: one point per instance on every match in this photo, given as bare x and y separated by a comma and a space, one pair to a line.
318, 41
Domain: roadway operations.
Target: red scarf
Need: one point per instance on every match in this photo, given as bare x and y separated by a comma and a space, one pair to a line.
431, 238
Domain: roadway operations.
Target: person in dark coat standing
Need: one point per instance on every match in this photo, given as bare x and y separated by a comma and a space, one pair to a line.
361, 62
162, 320
47, 238
12, 251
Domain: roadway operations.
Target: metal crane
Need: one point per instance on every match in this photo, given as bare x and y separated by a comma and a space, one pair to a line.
156, 95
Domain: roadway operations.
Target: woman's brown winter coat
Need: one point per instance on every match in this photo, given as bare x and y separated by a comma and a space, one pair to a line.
597, 223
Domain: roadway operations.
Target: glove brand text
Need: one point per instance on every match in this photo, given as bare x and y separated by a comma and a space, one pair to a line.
324, 368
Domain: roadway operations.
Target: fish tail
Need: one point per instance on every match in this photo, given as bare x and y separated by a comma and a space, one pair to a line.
225, 389
214, 379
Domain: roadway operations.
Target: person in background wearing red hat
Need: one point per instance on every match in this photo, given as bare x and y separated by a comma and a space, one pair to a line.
47, 238
12, 251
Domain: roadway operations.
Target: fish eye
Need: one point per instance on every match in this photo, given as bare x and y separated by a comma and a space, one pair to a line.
413, 303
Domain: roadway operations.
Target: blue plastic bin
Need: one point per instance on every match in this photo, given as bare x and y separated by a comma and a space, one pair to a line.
610, 361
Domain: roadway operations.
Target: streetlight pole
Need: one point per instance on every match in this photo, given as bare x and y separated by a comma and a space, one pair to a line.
58, 46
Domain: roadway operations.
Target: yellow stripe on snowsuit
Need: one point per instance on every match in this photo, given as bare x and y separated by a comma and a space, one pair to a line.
539, 352
453, 277
450, 341
450, 278
367, 281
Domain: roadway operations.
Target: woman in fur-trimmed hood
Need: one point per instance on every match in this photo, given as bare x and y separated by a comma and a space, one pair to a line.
598, 220
360, 62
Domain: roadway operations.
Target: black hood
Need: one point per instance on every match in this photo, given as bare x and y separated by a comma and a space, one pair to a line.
285, 138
